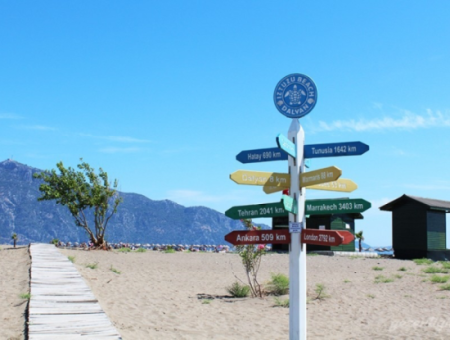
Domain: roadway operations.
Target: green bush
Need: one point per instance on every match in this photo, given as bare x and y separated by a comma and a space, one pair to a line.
92, 265
445, 287
402, 269
383, 279
169, 251
124, 250
278, 285
141, 250
238, 290
377, 268
445, 264
71, 258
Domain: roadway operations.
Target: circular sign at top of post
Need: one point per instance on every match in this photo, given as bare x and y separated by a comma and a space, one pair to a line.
295, 95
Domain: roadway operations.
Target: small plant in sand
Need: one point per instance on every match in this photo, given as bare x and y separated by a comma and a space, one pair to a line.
71, 258
359, 236
92, 265
383, 279
398, 276
320, 291
435, 270
445, 287
251, 259
423, 261
445, 264
439, 279
377, 268
278, 285
124, 250
206, 301
238, 290
169, 250
371, 296
25, 296
312, 254
281, 302
402, 269
347, 281
55, 241
141, 250
114, 270
14, 237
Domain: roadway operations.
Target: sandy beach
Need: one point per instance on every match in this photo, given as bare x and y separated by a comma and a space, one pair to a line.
14, 281
184, 296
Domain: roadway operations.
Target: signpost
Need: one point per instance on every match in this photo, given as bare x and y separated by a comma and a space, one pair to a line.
342, 185
256, 210
238, 237
331, 238
341, 206
295, 96
261, 155
320, 176
335, 149
286, 145
260, 178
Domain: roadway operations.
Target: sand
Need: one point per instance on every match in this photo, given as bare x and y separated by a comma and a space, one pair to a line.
183, 296
14, 280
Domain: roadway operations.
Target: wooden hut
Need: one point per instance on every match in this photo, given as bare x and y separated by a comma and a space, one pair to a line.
418, 227
326, 222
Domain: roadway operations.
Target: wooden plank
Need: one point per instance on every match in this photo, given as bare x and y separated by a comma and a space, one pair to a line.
61, 305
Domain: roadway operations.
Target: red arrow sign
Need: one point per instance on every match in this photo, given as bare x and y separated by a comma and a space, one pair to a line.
241, 237
326, 237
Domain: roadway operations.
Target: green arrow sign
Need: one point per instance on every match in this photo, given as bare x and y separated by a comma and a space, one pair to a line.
336, 206
256, 210
289, 204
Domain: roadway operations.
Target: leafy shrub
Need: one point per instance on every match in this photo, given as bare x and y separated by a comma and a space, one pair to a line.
402, 269
169, 250
238, 290
124, 250
445, 264
278, 285
141, 250
445, 287
25, 296
320, 291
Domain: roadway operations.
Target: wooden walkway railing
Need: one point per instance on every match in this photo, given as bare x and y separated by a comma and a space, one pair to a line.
61, 305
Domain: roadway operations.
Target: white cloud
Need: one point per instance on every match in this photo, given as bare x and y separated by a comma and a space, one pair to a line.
121, 139
119, 150
407, 121
38, 127
10, 116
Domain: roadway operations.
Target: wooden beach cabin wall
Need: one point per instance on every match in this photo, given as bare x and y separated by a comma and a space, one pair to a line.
330, 222
418, 227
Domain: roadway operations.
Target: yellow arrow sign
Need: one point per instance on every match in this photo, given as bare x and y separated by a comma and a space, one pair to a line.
342, 184
307, 179
261, 178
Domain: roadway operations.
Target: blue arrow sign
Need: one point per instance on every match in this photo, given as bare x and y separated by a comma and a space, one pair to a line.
262, 155
286, 145
335, 149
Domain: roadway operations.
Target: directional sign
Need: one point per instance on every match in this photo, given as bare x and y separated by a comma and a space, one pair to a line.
326, 237
238, 237
320, 176
261, 178
256, 210
289, 204
336, 206
286, 145
261, 155
335, 149
342, 184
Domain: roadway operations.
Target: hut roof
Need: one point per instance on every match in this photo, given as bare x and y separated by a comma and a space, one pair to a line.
429, 202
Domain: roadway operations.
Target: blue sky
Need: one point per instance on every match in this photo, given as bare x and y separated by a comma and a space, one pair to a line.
164, 95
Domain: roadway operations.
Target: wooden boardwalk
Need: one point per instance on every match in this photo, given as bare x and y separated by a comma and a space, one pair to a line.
62, 306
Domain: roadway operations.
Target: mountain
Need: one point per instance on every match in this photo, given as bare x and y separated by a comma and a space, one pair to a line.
138, 219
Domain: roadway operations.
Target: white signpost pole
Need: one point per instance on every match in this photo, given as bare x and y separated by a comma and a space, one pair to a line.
297, 253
